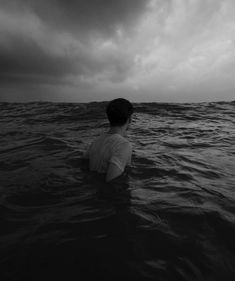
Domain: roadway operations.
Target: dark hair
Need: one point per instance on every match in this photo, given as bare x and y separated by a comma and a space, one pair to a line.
118, 111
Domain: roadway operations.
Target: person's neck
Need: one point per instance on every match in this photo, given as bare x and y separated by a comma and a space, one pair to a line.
117, 130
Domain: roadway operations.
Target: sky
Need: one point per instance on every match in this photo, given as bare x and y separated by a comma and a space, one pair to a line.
95, 50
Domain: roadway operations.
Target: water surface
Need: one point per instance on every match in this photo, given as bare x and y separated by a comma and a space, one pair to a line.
171, 218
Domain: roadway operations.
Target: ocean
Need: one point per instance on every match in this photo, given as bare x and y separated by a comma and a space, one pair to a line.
170, 217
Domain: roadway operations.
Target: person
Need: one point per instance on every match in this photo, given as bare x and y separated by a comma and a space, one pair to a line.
111, 152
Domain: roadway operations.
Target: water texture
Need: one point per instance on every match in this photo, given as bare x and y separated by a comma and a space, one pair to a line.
172, 217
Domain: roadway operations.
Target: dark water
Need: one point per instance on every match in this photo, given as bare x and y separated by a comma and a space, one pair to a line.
171, 218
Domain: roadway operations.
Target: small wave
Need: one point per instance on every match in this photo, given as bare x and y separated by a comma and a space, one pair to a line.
171, 217
46, 142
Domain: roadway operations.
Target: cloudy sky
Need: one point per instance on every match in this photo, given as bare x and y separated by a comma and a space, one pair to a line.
144, 50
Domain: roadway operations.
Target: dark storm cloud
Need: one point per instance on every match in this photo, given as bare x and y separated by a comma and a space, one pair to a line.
29, 30
25, 58
102, 16
99, 15
117, 47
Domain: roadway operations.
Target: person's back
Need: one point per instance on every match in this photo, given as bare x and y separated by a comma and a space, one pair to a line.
109, 148
111, 152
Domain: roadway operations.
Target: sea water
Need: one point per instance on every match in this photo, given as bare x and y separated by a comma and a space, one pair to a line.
172, 217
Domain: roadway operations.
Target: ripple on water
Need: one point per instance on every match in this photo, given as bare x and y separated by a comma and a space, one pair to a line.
170, 218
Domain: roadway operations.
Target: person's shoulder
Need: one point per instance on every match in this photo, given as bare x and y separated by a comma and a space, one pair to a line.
124, 142
120, 138
97, 141
99, 138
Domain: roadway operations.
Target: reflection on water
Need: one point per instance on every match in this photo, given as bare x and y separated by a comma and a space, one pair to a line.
172, 217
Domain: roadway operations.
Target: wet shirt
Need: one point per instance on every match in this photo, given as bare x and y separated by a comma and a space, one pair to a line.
109, 148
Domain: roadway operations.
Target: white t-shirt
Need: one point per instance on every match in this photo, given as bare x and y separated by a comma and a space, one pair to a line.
109, 148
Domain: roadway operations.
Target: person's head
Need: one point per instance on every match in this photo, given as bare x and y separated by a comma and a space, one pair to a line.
119, 112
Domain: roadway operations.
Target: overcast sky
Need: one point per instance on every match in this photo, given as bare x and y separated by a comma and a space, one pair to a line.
85, 50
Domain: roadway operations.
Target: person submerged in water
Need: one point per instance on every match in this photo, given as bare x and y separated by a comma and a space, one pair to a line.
111, 153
